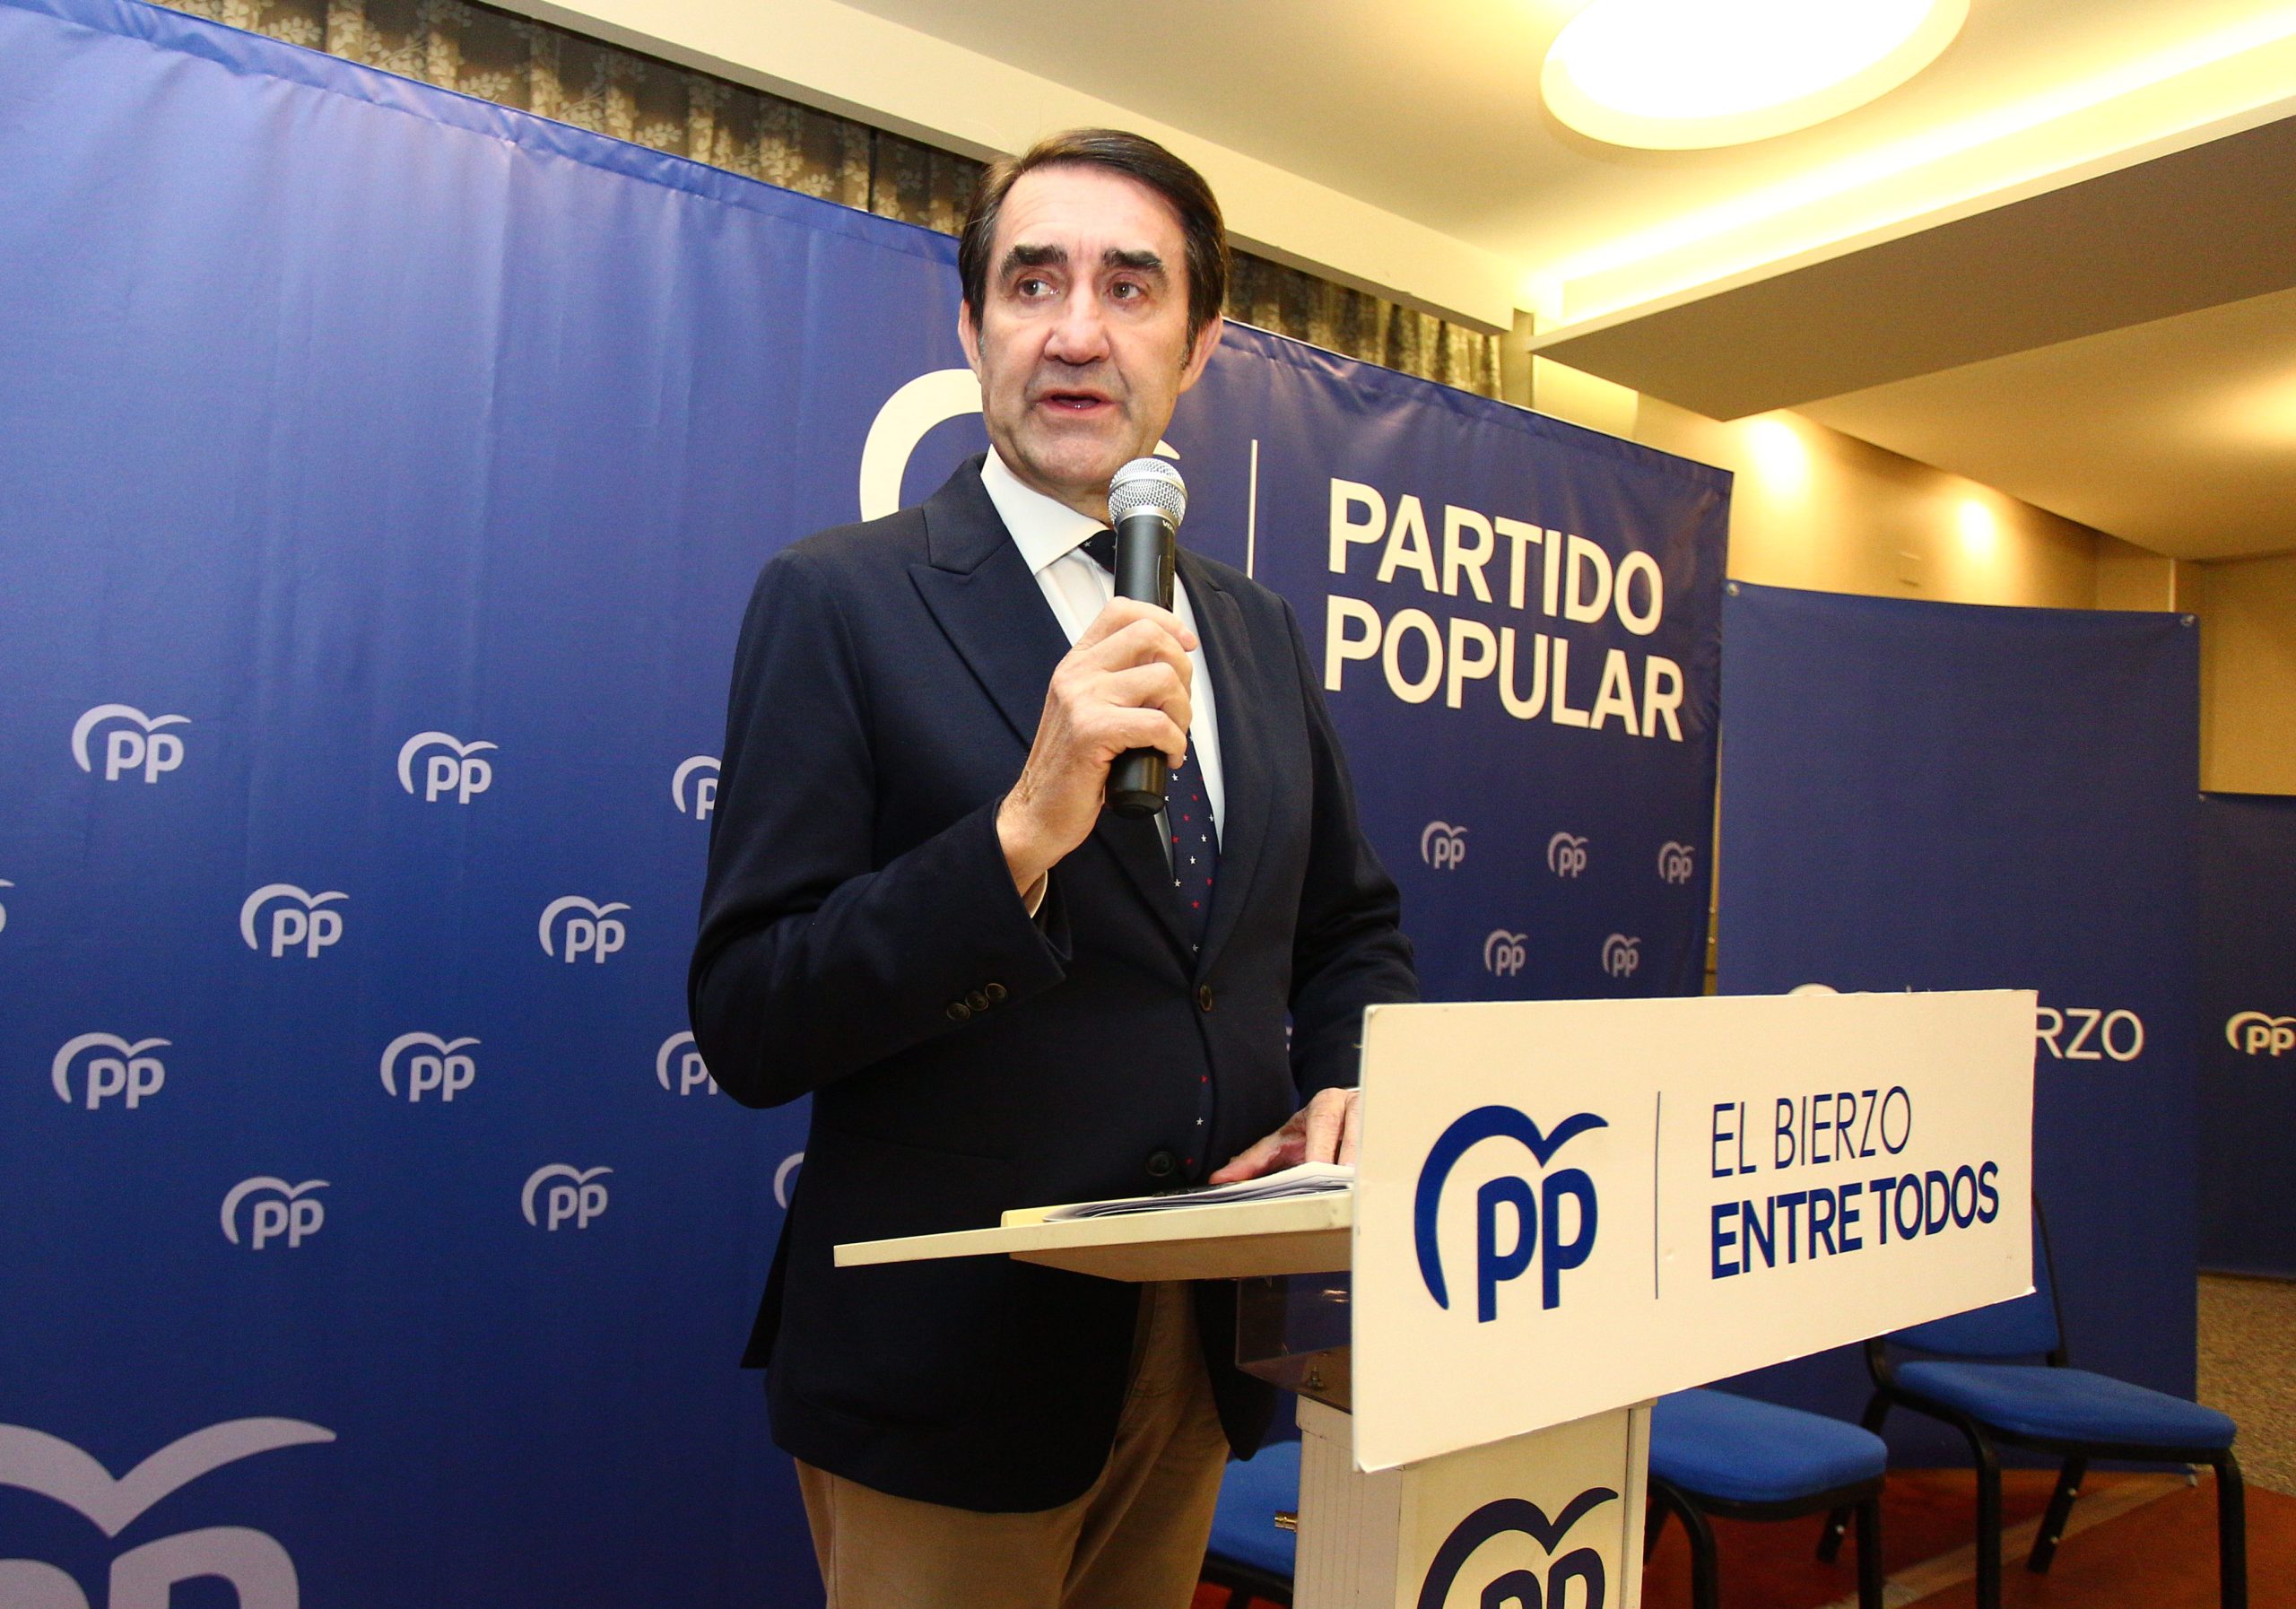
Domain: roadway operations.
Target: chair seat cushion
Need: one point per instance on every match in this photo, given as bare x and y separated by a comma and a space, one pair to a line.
1713, 1444
2067, 1405
1251, 1495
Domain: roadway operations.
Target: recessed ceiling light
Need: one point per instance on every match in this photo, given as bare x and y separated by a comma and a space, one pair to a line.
1684, 74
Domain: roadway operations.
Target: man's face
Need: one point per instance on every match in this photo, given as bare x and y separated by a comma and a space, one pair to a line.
1082, 345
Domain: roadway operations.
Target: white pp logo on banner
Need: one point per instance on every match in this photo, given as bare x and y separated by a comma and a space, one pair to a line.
596, 934
2260, 1033
784, 1174
1443, 846
260, 1573
4, 909
576, 1197
1504, 954
705, 786
441, 1068
127, 1075
1621, 954
1566, 854
2089, 1033
1677, 863
305, 925
276, 1210
689, 1073
144, 746
458, 773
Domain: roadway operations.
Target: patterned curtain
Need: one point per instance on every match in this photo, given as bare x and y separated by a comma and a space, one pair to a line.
497, 57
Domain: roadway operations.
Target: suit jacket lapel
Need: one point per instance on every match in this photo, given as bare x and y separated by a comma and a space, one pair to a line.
994, 614
1244, 774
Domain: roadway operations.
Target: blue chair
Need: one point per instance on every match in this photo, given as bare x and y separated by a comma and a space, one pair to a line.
2053, 1408
1714, 1453
1251, 1554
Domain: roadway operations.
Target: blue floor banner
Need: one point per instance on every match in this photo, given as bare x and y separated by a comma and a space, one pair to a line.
2248, 1034
1921, 795
382, 476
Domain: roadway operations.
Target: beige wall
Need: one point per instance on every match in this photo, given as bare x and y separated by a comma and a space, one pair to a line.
2247, 672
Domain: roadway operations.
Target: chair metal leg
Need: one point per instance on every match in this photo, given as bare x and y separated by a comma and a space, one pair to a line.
1988, 1519
2060, 1510
1869, 1553
2232, 1534
1877, 1409
1705, 1582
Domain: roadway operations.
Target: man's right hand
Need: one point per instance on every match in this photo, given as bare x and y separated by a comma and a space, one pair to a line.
1125, 685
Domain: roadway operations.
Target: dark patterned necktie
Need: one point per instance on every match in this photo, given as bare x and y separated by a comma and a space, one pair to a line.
1188, 812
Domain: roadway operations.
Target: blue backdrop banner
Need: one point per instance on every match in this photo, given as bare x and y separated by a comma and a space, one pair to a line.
2248, 1034
382, 475
1939, 796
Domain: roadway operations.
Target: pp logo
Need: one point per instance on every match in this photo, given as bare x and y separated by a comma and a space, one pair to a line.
441, 1068
304, 925
1503, 953
1566, 854
705, 786
1443, 846
577, 1199
1677, 863
260, 1573
1538, 1230
144, 746
1522, 1587
4, 909
784, 1176
126, 1073
2258, 1033
1622, 956
455, 773
691, 1075
279, 1211
596, 934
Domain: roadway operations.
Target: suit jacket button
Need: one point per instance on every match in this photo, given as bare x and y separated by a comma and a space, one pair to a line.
1203, 996
977, 1000
995, 993
959, 1010
1161, 1164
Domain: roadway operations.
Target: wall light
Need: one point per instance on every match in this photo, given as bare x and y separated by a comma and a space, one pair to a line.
1781, 458
1979, 528
1685, 74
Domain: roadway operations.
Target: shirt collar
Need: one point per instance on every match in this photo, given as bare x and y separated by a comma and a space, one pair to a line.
1042, 528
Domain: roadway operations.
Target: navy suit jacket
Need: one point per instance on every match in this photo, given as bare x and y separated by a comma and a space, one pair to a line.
862, 943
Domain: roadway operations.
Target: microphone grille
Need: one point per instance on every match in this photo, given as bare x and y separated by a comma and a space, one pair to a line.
1147, 483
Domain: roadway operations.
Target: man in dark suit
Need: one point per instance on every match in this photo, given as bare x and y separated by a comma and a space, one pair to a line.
998, 995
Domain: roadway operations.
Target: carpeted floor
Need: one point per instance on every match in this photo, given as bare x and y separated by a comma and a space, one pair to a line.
2247, 1368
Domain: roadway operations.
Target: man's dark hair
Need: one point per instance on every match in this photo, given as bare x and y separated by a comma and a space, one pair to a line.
1136, 157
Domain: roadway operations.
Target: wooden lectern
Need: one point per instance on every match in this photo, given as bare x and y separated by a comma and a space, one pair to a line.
1562, 1211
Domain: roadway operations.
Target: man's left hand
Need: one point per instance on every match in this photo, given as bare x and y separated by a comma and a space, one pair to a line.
1322, 1131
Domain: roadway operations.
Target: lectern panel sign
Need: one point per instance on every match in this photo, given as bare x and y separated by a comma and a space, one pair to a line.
1743, 1180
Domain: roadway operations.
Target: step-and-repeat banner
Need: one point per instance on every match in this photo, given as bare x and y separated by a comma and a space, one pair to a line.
1941, 796
2248, 1034
382, 476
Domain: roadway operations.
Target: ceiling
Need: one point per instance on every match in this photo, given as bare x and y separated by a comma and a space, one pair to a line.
2054, 261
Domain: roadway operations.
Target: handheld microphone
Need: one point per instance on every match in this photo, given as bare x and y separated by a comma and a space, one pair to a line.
1147, 502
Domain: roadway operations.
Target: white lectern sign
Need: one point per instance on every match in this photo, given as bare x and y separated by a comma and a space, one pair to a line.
1568, 1207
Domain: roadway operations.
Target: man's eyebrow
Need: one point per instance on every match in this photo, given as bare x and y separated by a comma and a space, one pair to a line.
1140, 260
1026, 256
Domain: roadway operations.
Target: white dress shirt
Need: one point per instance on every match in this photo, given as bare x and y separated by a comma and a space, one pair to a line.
1050, 537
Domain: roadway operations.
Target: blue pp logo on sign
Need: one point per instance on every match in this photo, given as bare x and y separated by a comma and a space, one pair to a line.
1521, 1588
1538, 1219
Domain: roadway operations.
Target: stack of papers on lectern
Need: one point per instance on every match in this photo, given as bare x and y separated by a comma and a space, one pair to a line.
1308, 1179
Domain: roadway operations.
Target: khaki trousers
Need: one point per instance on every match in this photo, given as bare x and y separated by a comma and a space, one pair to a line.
1134, 1541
